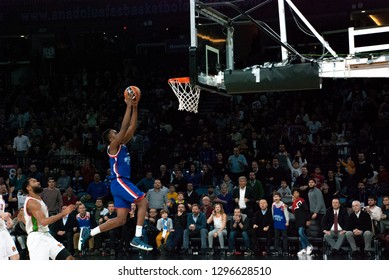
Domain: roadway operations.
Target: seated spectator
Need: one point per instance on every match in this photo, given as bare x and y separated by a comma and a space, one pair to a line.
63, 181
196, 226
174, 242
164, 226
172, 194
374, 211
206, 206
239, 226
334, 226
64, 230
146, 183
191, 196
113, 234
151, 228
219, 221
69, 197
359, 226
286, 193
97, 188
262, 227
173, 206
84, 219
225, 198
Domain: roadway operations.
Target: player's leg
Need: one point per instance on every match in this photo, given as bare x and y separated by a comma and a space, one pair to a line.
142, 205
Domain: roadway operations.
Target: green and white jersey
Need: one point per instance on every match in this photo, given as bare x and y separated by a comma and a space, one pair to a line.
31, 222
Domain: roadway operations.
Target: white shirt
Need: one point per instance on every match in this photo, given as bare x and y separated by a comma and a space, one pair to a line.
242, 203
339, 227
21, 143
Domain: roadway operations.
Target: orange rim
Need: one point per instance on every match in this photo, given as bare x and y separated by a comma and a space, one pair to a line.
182, 80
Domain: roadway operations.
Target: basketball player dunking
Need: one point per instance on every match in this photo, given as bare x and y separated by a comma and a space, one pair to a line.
41, 244
122, 189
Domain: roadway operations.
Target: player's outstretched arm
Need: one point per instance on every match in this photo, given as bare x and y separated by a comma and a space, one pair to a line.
133, 123
120, 137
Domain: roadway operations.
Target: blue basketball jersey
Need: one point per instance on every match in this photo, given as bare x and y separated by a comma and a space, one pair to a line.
120, 163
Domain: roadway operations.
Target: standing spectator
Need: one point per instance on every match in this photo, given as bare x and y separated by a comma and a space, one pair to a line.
244, 197
236, 165
302, 219
97, 188
21, 146
317, 206
52, 197
281, 222
157, 196
302, 183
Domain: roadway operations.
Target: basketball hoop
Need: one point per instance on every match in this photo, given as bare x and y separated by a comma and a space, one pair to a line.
188, 95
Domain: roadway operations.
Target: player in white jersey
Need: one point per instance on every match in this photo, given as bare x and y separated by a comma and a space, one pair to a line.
41, 244
7, 245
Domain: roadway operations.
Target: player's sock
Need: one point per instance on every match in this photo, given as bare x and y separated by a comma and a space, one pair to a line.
138, 231
95, 231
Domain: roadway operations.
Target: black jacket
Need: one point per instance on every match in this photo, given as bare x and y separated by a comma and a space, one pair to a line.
328, 218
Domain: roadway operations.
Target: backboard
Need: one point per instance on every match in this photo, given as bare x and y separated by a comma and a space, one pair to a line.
223, 41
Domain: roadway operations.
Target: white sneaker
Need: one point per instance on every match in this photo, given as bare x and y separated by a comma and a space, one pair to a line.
309, 249
301, 252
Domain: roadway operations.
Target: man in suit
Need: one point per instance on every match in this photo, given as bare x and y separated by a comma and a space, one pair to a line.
335, 229
64, 229
244, 197
262, 227
359, 226
196, 226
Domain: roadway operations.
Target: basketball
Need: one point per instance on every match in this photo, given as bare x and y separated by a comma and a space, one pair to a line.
133, 92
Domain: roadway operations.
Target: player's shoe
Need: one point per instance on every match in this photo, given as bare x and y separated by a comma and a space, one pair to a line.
84, 237
137, 242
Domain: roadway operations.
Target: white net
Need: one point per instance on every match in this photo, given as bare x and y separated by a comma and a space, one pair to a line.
188, 95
